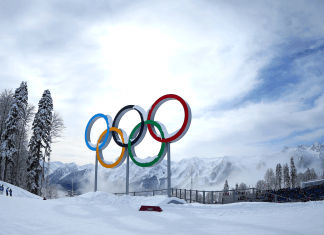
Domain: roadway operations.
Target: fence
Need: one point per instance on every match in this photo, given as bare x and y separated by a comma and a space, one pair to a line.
216, 197
146, 193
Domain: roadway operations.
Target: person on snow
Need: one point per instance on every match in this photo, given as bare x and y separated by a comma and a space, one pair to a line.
10, 192
7, 190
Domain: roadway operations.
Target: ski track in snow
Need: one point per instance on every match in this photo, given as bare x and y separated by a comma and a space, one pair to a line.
104, 213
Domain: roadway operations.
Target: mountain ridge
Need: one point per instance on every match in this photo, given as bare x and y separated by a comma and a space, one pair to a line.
204, 172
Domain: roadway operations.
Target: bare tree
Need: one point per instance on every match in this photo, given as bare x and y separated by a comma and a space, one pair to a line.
55, 134
270, 179
261, 185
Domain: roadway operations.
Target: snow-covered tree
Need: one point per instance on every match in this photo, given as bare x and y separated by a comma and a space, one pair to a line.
279, 175
307, 175
40, 139
9, 135
286, 176
300, 178
243, 186
20, 170
293, 173
270, 179
226, 187
313, 174
261, 185
6, 98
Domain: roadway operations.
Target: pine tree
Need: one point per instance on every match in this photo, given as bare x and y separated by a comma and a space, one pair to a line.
40, 139
6, 99
286, 176
313, 174
307, 175
8, 146
279, 175
22, 151
293, 173
226, 187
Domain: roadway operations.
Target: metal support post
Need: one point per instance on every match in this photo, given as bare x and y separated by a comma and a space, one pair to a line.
212, 197
169, 170
180, 194
172, 191
190, 195
96, 173
204, 197
253, 195
197, 196
127, 174
185, 194
176, 192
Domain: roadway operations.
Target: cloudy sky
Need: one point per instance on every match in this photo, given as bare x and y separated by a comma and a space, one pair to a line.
252, 71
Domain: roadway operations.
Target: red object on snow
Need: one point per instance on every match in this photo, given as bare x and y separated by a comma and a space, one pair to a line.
151, 208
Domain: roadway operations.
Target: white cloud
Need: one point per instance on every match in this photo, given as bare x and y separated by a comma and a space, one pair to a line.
99, 58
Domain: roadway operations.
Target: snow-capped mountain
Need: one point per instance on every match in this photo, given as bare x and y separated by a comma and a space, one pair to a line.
203, 173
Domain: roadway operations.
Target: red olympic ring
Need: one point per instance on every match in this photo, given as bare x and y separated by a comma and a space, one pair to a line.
185, 126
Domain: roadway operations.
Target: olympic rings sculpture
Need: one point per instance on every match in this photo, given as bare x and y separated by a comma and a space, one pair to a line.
128, 144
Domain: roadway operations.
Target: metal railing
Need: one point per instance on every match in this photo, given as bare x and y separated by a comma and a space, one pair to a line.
216, 197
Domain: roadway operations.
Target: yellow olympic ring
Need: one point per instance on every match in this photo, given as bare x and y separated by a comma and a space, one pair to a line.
120, 160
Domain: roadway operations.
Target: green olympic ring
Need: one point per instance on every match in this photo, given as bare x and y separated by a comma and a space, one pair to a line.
160, 155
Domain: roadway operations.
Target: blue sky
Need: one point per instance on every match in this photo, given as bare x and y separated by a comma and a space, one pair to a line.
252, 71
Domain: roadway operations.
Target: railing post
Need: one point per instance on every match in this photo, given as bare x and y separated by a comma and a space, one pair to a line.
212, 197
185, 194
180, 194
190, 195
169, 169
134, 193
96, 173
233, 195
176, 192
153, 193
127, 173
172, 191
197, 196
204, 197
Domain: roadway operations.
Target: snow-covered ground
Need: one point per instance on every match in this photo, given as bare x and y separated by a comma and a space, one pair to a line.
104, 213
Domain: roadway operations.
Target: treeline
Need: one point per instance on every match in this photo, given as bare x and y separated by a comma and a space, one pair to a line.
286, 177
282, 177
25, 146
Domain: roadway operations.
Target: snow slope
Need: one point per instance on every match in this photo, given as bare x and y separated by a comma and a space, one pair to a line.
104, 213
17, 192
